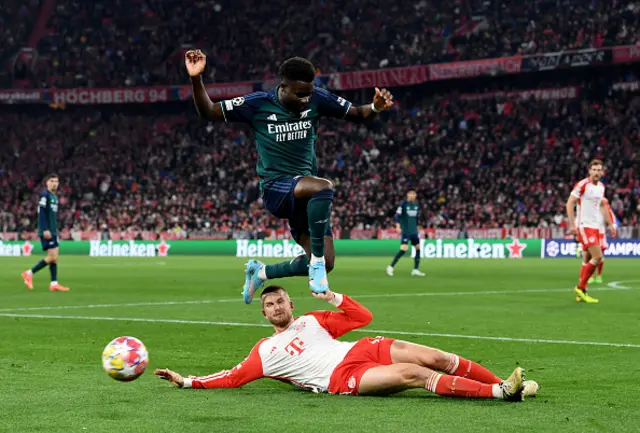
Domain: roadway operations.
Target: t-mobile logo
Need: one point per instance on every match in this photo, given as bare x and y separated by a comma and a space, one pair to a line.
295, 347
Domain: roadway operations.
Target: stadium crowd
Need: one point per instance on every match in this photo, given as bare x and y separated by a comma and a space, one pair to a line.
17, 19
102, 43
475, 163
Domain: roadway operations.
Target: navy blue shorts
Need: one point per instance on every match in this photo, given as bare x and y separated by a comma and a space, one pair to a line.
278, 199
49, 244
415, 240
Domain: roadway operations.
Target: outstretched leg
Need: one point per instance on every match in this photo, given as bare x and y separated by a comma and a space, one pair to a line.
388, 379
299, 266
257, 272
405, 352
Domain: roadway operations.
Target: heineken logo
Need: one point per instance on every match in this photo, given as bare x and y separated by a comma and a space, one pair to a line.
285, 248
16, 249
471, 249
445, 249
128, 249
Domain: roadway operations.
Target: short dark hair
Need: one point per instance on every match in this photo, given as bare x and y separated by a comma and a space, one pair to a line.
51, 176
272, 289
596, 162
298, 69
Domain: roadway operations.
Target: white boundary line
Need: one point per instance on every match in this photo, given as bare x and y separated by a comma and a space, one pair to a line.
612, 286
136, 304
368, 331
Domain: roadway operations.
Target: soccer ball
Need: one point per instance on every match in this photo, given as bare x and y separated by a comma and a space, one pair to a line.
125, 358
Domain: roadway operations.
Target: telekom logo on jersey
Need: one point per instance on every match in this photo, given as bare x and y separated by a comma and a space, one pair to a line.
295, 347
290, 131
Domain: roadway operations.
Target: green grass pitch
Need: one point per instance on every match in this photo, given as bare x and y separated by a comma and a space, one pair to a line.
500, 313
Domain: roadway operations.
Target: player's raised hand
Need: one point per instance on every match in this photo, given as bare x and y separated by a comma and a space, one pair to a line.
171, 376
383, 99
326, 296
195, 61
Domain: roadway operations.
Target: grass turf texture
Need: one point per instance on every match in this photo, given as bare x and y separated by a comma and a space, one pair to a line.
52, 379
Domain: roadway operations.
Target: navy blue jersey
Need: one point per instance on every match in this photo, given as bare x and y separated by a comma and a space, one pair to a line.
47, 213
285, 140
407, 216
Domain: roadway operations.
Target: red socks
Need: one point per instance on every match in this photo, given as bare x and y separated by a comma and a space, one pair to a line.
462, 367
585, 274
467, 379
600, 266
454, 386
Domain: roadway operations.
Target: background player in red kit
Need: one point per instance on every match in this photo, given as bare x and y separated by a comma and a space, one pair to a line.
587, 195
304, 352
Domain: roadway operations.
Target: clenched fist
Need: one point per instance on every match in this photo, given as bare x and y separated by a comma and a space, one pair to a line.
195, 61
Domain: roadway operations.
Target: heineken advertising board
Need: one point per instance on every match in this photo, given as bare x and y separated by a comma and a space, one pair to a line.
439, 248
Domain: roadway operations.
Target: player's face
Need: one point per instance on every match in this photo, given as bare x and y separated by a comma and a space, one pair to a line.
277, 308
411, 196
296, 95
52, 184
595, 173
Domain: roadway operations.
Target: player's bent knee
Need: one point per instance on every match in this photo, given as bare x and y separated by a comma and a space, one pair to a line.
404, 247
327, 184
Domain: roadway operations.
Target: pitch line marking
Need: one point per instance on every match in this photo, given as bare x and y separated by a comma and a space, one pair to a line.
612, 286
368, 331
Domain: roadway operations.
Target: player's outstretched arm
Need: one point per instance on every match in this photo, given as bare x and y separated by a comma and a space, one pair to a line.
196, 61
382, 101
247, 371
353, 315
171, 376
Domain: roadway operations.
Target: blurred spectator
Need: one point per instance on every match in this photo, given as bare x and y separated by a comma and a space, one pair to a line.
486, 163
102, 43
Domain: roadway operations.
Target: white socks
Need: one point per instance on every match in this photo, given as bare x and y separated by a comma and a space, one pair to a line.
315, 259
496, 389
262, 273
